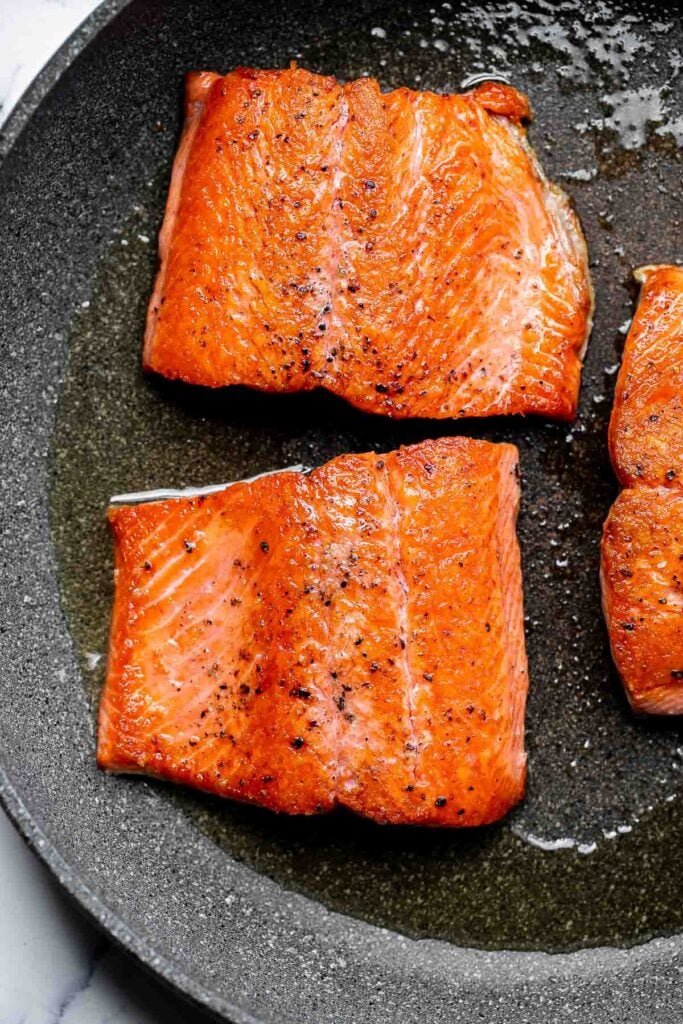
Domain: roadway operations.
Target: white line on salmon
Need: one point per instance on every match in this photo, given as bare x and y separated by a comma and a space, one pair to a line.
137, 497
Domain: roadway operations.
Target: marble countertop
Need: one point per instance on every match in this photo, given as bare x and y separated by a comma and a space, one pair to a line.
54, 967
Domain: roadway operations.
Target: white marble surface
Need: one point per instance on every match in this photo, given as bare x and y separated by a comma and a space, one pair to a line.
30, 32
54, 967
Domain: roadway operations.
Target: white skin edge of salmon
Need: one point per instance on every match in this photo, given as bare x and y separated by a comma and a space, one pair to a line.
138, 497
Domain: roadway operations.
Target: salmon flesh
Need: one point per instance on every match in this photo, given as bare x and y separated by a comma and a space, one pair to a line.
403, 250
642, 545
351, 636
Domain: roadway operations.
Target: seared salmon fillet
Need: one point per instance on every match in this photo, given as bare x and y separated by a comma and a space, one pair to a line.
642, 545
352, 636
642, 587
646, 427
401, 249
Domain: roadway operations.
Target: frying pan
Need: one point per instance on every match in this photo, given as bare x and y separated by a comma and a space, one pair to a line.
570, 907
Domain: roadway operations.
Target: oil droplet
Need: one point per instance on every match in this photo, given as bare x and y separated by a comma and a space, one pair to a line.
92, 659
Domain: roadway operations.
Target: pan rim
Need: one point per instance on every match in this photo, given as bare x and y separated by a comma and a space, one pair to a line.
600, 961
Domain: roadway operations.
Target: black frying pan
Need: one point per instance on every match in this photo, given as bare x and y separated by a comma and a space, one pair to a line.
267, 919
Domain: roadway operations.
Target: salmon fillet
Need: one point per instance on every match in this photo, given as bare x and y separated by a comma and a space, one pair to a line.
642, 545
402, 250
353, 636
646, 427
642, 586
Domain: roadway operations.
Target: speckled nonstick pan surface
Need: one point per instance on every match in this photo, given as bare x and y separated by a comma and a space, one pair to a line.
573, 905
